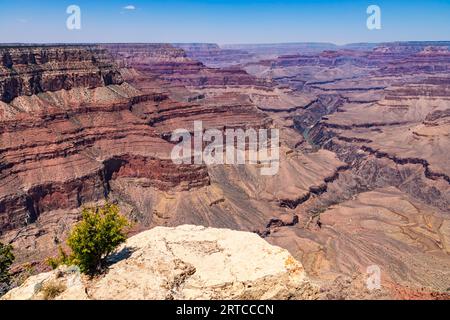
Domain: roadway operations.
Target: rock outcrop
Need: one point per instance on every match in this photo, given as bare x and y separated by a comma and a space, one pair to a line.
187, 262
363, 176
32, 70
64, 149
173, 65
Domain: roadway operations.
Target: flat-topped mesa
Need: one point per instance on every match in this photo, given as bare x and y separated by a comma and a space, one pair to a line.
277, 49
197, 46
128, 54
173, 64
410, 47
29, 70
389, 59
212, 55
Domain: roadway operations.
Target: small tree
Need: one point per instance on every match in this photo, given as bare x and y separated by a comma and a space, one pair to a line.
99, 233
6, 260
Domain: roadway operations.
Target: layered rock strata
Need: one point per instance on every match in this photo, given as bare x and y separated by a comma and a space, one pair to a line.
363, 169
383, 112
25, 71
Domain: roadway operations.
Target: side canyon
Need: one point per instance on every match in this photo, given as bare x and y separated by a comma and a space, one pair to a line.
364, 175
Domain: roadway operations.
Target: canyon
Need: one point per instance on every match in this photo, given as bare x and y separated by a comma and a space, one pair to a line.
364, 174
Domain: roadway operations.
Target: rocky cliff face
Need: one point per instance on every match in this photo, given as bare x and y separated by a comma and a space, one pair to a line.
32, 70
187, 262
172, 64
382, 111
64, 149
65, 141
363, 175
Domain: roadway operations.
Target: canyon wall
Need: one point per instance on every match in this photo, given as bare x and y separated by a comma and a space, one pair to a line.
383, 112
64, 142
26, 71
363, 177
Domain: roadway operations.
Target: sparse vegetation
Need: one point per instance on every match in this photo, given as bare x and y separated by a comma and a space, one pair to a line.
6, 260
52, 289
62, 259
98, 234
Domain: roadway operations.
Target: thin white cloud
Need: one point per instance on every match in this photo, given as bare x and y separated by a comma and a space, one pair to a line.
130, 7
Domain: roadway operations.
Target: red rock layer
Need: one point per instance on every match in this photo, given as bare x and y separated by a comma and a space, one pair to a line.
66, 146
164, 66
173, 65
31, 70
61, 149
363, 175
384, 113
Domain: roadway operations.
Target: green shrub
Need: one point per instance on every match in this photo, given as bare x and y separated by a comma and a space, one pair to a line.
6, 260
61, 259
97, 235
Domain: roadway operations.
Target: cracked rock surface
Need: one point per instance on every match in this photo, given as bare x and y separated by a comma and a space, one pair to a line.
187, 262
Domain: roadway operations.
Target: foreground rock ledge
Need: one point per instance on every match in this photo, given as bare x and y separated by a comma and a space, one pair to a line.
187, 262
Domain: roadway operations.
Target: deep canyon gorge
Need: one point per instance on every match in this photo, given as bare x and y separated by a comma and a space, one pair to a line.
364, 175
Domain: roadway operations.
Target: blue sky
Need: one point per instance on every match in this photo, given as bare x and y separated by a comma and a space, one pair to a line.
221, 21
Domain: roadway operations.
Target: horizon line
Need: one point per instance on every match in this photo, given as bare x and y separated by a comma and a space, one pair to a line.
225, 44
